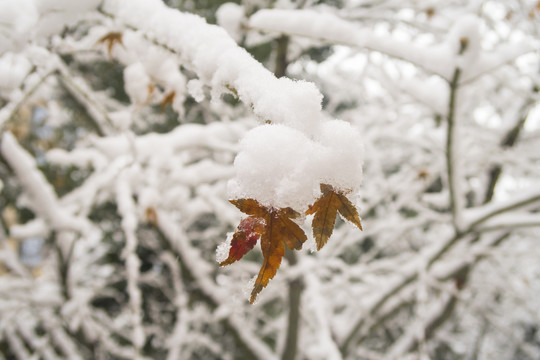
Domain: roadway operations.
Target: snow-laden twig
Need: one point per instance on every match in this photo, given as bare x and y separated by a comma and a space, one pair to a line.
200, 271
127, 210
16, 344
40, 345
222, 64
83, 93
327, 27
433, 319
177, 340
330, 28
451, 152
9, 110
315, 303
511, 222
479, 215
42, 197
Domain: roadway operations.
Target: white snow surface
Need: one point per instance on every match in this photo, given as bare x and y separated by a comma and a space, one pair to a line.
13, 67
282, 167
440, 59
229, 16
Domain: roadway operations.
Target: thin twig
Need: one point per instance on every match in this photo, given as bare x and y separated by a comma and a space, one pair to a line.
450, 150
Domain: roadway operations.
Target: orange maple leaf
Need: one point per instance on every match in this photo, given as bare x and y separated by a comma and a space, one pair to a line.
275, 228
326, 209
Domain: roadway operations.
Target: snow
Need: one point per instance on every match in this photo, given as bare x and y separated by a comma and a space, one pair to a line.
13, 67
229, 16
42, 197
476, 215
282, 167
464, 40
196, 90
329, 27
220, 63
137, 83
222, 250
17, 22
358, 285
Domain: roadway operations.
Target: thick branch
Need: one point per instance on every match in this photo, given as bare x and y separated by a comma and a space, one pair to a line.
296, 285
295, 291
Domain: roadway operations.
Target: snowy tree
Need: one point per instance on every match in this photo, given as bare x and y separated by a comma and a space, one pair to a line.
128, 126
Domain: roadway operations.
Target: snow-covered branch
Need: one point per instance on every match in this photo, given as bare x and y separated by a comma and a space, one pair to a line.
42, 197
222, 64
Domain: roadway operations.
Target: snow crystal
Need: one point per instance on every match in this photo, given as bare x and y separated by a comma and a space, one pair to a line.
222, 251
17, 21
13, 69
122, 118
248, 287
137, 83
229, 16
195, 89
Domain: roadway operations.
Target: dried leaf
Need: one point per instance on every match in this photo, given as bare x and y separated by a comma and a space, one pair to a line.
244, 239
168, 99
276, 229
151, 216
326, 208
111, 39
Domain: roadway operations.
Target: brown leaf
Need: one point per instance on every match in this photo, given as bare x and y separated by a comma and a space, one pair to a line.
111, 39
326, 209
151, 216
250, 207
276, 230
168, 99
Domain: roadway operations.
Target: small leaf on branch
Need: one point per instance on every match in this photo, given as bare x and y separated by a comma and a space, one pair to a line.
168, 99
276, 230
111, 39
326, 208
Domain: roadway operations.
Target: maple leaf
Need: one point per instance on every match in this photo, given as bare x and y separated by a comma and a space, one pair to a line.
275, 229
111, 39
326, 209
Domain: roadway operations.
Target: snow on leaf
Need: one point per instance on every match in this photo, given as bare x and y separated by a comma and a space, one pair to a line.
276, 230
326, 209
